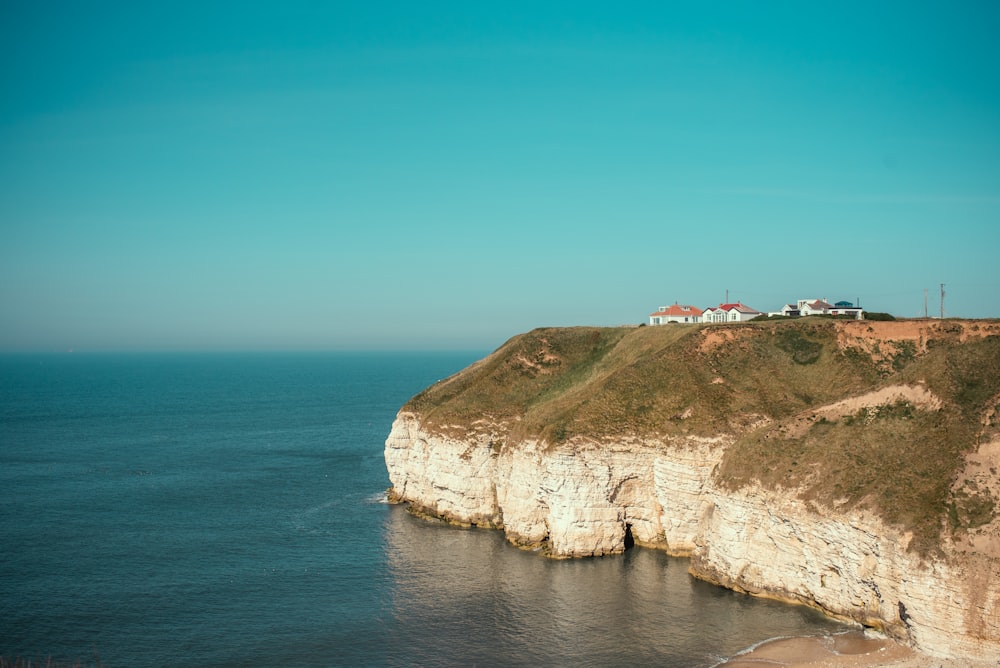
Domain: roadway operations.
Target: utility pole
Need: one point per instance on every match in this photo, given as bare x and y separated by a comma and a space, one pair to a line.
925, 303
942, 301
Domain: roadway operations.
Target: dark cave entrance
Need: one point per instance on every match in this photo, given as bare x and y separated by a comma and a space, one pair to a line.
629, 539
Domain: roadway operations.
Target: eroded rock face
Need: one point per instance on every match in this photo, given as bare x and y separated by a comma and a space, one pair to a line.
442, 477
852, 567
583, 498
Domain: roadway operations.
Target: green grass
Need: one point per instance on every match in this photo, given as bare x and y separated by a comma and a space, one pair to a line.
898, 461
607, 383
557, 383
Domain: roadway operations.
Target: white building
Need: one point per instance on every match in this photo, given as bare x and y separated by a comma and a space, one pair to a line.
822, 307
805, 307
814, 307
675, 313
847, 308
737, 312
788, 310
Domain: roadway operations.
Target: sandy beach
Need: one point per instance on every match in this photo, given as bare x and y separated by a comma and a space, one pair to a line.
854, 649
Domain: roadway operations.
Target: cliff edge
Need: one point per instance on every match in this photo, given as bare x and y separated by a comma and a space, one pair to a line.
851, 466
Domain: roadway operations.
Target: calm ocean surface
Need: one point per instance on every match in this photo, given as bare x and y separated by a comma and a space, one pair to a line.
226, 510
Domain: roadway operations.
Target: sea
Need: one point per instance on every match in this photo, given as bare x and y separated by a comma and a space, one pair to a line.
229, 510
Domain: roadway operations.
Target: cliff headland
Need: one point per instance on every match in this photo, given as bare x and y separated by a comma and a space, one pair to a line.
848, 465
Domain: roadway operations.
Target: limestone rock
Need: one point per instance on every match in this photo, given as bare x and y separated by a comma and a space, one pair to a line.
586, 498
853, 466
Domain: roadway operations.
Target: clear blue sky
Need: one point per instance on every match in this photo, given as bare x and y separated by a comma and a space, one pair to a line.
417, 175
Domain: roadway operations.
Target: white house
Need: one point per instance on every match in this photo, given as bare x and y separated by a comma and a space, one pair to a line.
822, 307
788, 310
814, 307
737, 312
675, 313
847, 308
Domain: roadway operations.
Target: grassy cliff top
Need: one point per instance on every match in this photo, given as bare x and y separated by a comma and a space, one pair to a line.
770, 387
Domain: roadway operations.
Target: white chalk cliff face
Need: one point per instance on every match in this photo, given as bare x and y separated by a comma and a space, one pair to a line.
588, 498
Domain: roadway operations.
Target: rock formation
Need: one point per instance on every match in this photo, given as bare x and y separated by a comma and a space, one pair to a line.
738, 446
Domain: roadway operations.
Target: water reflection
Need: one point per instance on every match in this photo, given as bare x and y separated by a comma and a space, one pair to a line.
466, 597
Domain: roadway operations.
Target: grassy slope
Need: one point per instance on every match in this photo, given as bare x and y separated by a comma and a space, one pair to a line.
682, 380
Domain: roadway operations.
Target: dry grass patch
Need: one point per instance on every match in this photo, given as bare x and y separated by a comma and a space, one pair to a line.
814, 405
897, 453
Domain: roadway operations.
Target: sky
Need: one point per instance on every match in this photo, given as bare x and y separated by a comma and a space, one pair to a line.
444, 175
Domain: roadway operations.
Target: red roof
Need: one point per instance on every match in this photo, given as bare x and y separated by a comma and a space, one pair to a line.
678, 310
739, 306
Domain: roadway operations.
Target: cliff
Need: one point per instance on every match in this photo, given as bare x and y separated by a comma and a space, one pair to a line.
850, 466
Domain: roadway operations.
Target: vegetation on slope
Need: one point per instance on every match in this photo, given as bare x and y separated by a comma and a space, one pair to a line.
554, 384
898, 460
751, 381
529, 370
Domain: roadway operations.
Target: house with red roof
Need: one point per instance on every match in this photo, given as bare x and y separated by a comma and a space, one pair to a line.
675, 313
738, 312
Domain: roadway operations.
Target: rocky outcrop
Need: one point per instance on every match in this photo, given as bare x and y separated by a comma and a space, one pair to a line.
849, 466
854, 568
586, 498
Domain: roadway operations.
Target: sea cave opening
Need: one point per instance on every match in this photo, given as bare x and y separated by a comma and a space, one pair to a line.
629, 539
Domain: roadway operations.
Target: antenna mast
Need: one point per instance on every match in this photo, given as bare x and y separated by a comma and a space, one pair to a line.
925, 303
942, 301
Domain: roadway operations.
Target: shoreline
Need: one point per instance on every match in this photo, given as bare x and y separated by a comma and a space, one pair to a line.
849, 649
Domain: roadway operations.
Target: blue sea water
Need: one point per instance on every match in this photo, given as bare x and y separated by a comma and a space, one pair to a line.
228, 509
